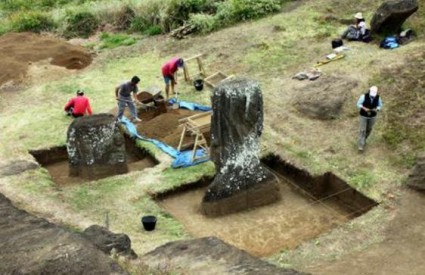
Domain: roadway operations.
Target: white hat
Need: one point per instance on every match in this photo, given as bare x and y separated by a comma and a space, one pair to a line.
358, 15
373, 91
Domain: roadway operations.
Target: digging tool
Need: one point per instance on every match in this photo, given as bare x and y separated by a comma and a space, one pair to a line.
144, 106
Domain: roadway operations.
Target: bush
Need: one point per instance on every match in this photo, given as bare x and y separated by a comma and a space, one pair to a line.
204, 23
33, 21
240, 10
80, 24
179, 11
124, 18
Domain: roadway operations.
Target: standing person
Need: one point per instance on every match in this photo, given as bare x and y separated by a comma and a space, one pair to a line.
78, 105
123, 95
169, 70
369, 104
358, 30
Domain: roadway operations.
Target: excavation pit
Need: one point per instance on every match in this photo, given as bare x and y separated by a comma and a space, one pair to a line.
302, 214
55, 160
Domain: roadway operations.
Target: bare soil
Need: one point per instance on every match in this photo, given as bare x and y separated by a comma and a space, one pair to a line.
402, 250
262, 231
19, 50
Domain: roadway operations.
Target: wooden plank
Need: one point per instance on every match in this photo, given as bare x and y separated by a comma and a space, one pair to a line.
193, 57
183, 120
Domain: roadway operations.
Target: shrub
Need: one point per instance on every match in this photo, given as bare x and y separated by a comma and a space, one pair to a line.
33, 21
124, 18
80, 24
204, 23
179, 11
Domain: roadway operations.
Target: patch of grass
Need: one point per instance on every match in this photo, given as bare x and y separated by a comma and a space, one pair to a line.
110, 41
362, 179
172, 178
153, 30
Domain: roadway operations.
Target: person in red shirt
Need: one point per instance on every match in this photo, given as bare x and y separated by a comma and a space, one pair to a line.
78, 105
169, 70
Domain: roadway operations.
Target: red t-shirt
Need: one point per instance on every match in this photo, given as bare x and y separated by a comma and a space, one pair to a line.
169, 68
80, 104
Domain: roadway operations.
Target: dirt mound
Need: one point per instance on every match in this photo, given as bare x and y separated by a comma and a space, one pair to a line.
19, 50
164, 127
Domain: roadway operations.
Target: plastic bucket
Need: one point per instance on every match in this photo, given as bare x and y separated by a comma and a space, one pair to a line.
149, 222
199, 84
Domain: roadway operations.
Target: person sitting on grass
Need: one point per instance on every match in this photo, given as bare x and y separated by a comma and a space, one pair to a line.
358, 31
78, 105
169, 70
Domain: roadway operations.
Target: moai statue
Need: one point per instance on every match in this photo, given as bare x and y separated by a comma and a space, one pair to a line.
241, 182
96, 147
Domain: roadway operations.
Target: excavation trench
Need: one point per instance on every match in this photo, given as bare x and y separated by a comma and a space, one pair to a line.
309, 207
55, 160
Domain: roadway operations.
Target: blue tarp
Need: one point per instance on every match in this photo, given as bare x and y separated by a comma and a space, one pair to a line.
181, 159
189, 105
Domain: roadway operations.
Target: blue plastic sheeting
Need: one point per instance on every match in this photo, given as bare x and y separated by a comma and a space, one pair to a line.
189, 105
184, 159
133, 133
181, 159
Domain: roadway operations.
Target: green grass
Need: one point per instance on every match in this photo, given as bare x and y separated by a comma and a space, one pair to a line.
110, 41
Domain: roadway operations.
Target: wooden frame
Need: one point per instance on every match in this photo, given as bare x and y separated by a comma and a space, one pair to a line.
196, 125
220, 75
201, 69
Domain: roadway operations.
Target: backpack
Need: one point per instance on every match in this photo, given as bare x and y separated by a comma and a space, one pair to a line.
389, 42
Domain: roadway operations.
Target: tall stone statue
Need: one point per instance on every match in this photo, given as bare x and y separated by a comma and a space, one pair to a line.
96, 147
241, 182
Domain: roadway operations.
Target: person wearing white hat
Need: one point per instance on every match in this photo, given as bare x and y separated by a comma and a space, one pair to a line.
357, 31
369, 105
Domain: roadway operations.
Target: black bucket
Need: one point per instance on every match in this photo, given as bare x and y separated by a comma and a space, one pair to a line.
149, 222
199, 84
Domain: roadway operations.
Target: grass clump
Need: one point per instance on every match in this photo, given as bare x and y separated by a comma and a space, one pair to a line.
110, 41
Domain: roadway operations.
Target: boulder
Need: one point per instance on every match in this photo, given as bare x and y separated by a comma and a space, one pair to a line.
96, 147
16, 167
106, 240
241, 182
32, 245
210, 255
416, 179
391, 15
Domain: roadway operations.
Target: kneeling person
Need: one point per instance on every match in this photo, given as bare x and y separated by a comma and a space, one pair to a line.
78, 105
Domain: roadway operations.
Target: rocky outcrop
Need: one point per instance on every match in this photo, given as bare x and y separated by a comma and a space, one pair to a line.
198, 256
391, 15
416, 179
96, 147
31, 245
241, 182
108, 241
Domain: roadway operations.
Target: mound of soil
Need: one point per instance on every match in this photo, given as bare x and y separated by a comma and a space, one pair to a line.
18, 50
164, 127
